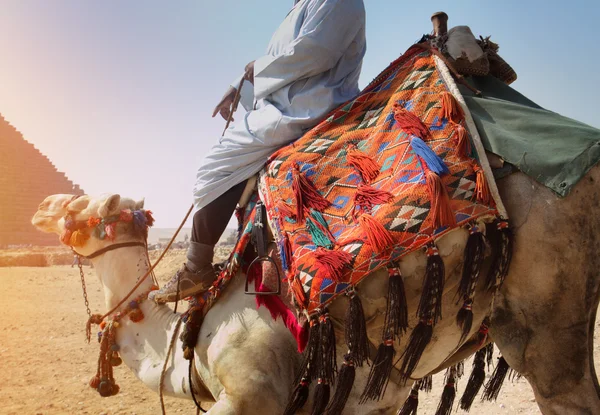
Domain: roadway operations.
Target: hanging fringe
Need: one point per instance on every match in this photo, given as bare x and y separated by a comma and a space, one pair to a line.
298, 398
482, 190
322, 393
492, 388
501, 239
356, 331
426, 384
419, 339
378, 237
306, 194
412, 402
441, 212
343, 388
410, 123
472, 262
365, 165
432, 161
333, 263
318, 236
430, 305
475, 381
449, 394
379, 375
285, 253
326, 363
286, 210
366, 197
396, 315
463, 141
489, 349
310, 364
451, 109
464, 319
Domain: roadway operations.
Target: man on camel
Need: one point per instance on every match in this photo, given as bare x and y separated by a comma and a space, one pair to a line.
312, 65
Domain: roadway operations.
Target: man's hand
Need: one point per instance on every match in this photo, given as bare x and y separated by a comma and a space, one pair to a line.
249, 72
224, 107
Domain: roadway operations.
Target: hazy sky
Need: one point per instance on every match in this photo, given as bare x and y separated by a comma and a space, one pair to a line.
119, 94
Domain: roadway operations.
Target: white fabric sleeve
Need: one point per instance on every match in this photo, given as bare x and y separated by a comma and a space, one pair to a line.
327, 31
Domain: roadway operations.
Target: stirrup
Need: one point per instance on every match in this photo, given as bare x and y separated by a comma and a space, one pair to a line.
260, 260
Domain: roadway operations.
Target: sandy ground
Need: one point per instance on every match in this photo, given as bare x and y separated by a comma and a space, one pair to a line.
45, 363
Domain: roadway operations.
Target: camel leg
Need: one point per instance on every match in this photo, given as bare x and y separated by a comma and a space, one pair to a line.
543, 317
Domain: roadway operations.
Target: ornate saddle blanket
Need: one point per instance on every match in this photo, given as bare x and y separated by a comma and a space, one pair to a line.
382, 176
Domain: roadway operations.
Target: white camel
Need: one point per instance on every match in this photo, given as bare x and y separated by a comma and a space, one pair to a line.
542, 319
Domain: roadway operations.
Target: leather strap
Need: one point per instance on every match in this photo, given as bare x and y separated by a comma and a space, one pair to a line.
112, 247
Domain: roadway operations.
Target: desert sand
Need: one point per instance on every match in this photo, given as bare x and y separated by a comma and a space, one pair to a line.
46, 364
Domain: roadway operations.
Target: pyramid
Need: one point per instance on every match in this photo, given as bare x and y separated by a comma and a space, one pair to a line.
26, 178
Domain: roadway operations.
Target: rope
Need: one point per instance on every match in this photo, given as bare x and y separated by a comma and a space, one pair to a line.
164, 369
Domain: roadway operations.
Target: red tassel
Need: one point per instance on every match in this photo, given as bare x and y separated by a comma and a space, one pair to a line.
451, 109
286, 210
441, 211
366, 197
410, 123
463, 142
306, 195
333, 263
365, 165
378, 237
482, 190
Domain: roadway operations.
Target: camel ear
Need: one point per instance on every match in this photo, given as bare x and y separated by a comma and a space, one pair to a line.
139, 204
78, 204
110, 206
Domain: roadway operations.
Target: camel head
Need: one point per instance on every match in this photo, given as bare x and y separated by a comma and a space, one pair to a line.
88, 224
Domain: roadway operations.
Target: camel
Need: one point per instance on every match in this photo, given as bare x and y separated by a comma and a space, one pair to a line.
542, 319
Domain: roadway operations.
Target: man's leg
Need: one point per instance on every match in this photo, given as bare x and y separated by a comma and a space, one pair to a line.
209, 223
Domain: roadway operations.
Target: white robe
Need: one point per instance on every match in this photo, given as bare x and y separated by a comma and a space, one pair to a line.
312, 65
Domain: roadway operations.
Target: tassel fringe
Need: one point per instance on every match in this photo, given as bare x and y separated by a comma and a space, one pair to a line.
432, 161
356, 331
410, 123
419, 339
482, 190
441, 212
380, 372
449, 394
396, 316
378, 237
298, 398
426, 384
333, 263
367, 196
306, 195
463, 141
492, 388
343, 388
430, 305
475, 381
501, 240
322, 393
326, 363
412, 402
365, 165
451, 109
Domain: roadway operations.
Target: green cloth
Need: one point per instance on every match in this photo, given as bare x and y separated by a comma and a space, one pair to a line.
554, 150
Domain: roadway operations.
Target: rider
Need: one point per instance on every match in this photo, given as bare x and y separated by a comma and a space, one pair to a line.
312, 65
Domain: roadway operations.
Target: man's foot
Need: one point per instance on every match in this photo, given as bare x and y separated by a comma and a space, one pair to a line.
190, 283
